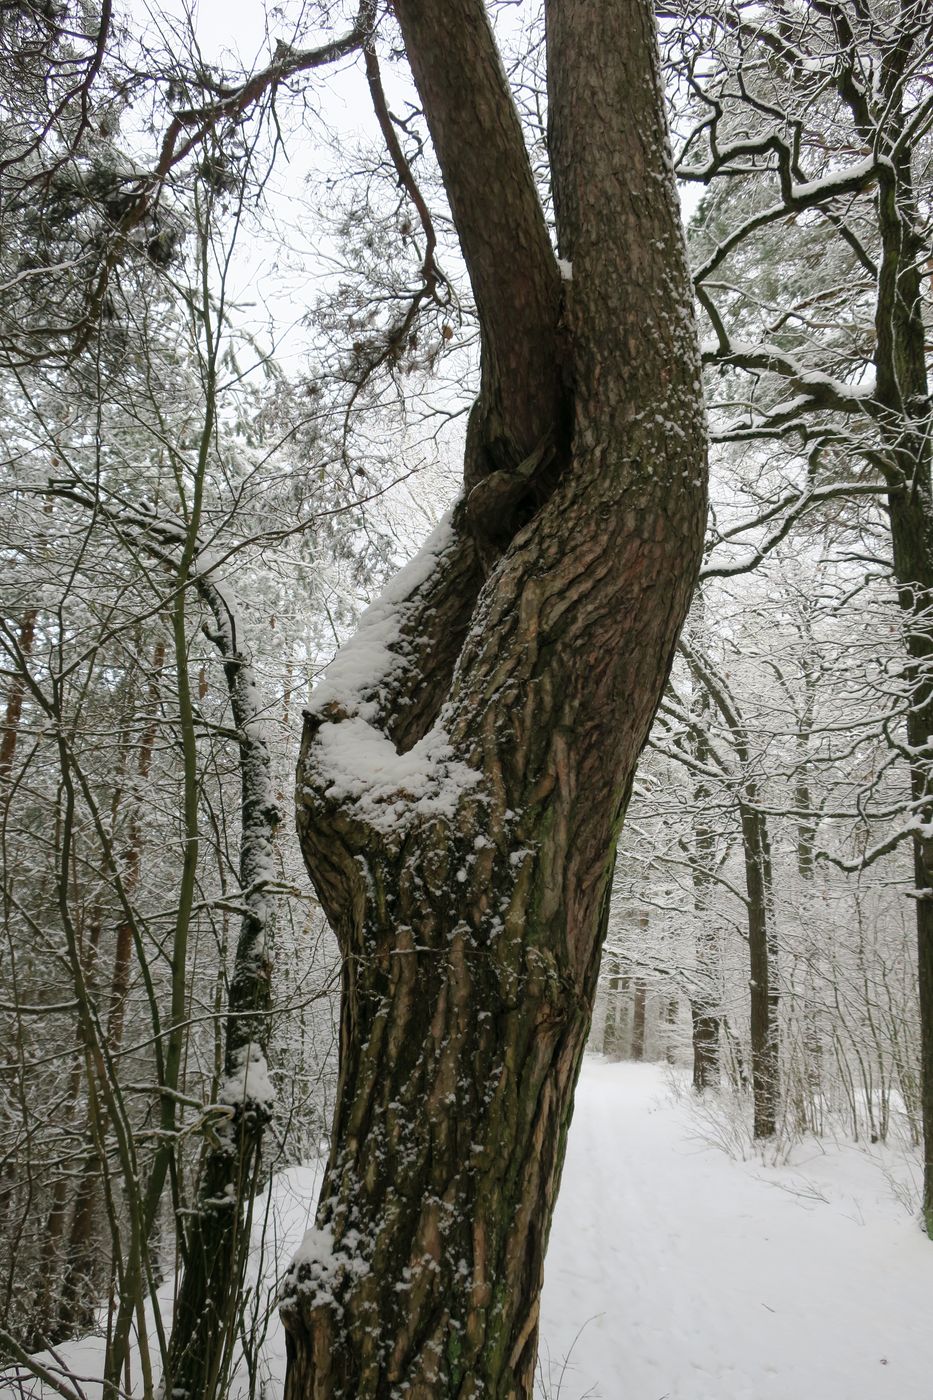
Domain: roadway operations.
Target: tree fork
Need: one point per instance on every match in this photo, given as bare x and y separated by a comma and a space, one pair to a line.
462, 842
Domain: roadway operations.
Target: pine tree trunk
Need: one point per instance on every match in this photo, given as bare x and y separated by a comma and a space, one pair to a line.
466, 869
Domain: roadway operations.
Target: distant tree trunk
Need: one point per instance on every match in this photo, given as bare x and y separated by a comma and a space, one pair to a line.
15, 695
762, 961
669, 1020
640, 992
612, 1029
806, 862
705, 1026
762, 944
639, 1008
704, 1004
458, 811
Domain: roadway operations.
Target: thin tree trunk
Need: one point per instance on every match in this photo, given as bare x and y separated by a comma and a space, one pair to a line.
763, 985
82, 1267
705, 1002
15, 695
204, 1333
640, 994
123, 956
44, 1322
639, 1008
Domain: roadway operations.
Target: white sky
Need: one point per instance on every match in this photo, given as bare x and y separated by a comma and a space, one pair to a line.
276, 275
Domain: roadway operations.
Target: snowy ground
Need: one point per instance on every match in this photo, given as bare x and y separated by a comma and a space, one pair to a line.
695, 1277
676, 1273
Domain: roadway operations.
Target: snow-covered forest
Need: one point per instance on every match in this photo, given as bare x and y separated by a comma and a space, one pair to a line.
405, 334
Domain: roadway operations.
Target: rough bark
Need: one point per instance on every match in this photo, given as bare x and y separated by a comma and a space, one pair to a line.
469, 894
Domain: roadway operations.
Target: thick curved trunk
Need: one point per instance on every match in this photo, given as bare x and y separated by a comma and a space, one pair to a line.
465, 862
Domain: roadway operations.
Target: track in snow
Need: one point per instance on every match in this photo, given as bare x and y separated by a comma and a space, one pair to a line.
695, 1277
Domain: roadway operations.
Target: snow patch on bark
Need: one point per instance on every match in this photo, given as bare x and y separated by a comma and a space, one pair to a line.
352, 760
318, 1264
354, 677
249, 1081
356, 762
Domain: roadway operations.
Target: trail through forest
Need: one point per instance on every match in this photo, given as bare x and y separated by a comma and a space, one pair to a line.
697, 1277
676, 1272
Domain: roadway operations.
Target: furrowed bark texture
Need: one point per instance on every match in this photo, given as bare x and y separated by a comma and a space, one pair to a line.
470, 900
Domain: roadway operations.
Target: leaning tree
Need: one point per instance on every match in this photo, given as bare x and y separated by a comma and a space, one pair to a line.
467, 762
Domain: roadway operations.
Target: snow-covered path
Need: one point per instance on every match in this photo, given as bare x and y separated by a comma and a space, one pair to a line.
695, 1277
676, 1273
